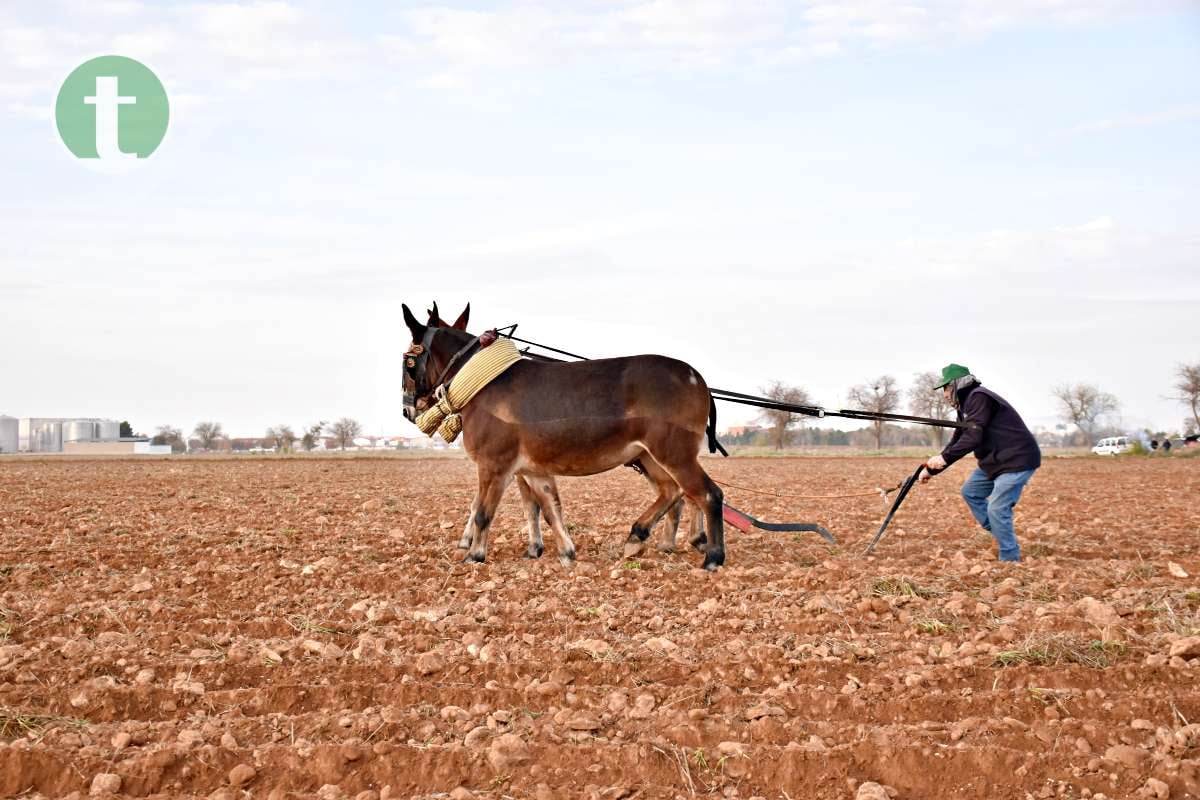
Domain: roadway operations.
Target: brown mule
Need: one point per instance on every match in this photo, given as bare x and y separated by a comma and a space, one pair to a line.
537, 501
579, 418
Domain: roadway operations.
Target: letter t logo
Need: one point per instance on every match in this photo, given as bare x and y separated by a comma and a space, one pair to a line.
106, 100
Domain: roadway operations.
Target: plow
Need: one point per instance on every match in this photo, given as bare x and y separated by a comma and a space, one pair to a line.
742, 520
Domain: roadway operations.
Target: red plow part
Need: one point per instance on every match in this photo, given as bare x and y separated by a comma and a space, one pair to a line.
736, 518
744, 522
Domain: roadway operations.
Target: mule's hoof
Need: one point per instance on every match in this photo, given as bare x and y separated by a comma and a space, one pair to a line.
633, 548
666, 548
471, 558
714, 560
533, 552
567, 560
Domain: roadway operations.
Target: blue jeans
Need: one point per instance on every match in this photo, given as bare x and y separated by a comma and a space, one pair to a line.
991, 502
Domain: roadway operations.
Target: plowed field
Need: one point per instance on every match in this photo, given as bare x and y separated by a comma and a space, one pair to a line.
303, 627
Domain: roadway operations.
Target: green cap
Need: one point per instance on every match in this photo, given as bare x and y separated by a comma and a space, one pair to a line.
952, 372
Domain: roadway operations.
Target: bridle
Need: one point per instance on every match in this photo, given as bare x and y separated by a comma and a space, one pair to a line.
416, 359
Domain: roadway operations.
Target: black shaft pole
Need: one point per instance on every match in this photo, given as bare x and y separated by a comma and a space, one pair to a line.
766, 402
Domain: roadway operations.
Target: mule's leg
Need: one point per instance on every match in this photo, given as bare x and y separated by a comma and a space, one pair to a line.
550, 486
547, 494
469, 529
673, 514
492, 484
698, 539
668, 494
704, 494
533, 513
671, 528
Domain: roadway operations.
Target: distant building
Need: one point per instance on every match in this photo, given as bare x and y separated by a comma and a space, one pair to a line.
741, 430
10, 434
52, 434
121, 447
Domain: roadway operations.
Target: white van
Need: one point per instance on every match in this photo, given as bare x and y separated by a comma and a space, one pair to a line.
1112, 445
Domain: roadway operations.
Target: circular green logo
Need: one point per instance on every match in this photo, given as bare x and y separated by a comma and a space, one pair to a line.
112, 108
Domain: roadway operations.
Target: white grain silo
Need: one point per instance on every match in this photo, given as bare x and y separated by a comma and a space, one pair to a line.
79, 430
9, 434
47, 438
108, 430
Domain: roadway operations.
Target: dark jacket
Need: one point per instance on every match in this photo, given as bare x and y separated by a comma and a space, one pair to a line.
1000, 440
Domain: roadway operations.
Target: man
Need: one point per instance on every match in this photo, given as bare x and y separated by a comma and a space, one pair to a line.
1006, 451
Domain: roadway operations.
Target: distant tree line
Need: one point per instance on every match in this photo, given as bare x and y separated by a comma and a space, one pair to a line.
209, 436
1086, 411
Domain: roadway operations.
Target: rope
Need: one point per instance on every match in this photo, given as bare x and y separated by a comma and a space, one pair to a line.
480, 370
878, 490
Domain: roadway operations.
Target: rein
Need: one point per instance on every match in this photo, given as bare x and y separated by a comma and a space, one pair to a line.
878, 490
768, 403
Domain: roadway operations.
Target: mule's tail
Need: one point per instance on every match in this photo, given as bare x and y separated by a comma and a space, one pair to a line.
713, 445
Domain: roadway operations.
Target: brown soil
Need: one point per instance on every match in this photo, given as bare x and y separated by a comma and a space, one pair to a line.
304, 627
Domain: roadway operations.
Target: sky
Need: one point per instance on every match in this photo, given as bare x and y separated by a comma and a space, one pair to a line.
813, 192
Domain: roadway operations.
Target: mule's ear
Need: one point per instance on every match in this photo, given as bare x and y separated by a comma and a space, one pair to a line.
435, 318
417, 329
461, 322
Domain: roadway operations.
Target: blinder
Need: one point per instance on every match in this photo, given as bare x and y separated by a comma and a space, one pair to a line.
416, 367
416, 361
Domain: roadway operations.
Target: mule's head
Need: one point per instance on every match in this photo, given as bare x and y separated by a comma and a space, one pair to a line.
434, 345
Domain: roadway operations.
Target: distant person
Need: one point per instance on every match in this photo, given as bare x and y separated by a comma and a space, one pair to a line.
1007, 454
1166, 445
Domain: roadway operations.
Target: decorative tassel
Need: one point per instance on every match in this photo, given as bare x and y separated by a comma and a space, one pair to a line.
451, 428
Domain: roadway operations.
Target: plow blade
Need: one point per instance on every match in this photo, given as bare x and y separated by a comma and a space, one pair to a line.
743, 522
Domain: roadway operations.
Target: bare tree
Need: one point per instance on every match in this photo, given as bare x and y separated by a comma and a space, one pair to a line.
344, 431
311, 434
282, 437
168, 434
208, 433
778, 422
926, 400
1188, 385
1085, 405
881, 396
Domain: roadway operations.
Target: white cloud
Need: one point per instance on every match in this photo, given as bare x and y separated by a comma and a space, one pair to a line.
1137, 120
443, 81
701, 35
273, 39
29, 111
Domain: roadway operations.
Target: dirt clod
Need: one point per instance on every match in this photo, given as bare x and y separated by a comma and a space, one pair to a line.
871, 791
240, 775
508, 751
105, 783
